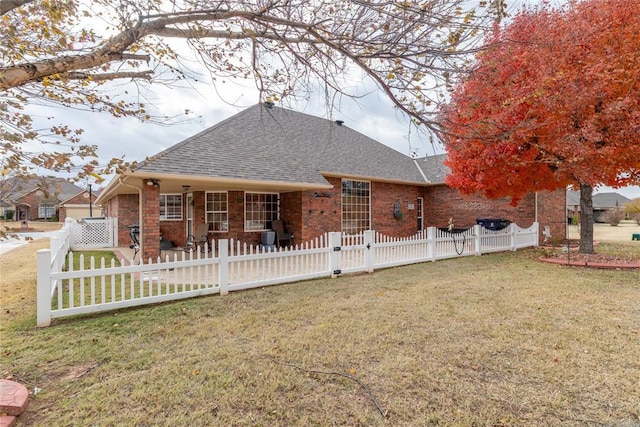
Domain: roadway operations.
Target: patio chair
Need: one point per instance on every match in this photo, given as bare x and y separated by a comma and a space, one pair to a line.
199, 239
281, 234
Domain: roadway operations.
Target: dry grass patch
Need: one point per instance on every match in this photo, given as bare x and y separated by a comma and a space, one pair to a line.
494, 340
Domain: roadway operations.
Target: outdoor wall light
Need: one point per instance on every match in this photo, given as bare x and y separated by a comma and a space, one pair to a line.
153, 182
186, 188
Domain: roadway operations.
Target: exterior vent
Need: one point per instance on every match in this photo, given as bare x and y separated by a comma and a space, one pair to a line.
339, 122
269, 104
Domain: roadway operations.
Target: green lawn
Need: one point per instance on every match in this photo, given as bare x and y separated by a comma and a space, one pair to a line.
500, 339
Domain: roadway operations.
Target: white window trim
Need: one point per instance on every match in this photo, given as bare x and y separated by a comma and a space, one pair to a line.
342, 202
244, 219
165, 207
207, 212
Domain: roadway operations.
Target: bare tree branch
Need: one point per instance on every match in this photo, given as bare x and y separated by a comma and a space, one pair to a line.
53, 51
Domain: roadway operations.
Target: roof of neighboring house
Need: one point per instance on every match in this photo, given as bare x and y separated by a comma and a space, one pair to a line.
94, 194
268, 148
600, 200
279, 145
53, 188
573, 198
608, 200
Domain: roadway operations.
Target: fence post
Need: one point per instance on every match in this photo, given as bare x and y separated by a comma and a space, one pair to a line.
43, 290
223, 271
369, 254
536, 235
335, 245
512, 232
477, 229
114, 231
431, 243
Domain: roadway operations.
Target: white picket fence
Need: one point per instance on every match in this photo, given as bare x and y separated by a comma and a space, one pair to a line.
233, 266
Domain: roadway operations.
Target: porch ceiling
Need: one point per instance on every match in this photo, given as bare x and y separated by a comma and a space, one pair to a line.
176, 184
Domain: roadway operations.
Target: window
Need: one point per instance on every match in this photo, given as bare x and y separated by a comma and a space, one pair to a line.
216, 210
259, 210
170, 206
46, 210
420, 214
356, 206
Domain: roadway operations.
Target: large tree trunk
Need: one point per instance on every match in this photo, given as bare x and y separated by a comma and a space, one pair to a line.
586, 219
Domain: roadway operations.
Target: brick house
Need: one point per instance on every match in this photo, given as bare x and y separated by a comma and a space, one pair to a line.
46, 198
314, 174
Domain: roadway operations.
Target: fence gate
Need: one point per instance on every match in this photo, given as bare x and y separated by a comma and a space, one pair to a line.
94, 233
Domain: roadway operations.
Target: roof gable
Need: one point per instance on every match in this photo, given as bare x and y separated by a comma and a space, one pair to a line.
609, 200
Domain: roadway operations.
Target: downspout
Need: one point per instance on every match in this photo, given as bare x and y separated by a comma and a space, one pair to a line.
121, 180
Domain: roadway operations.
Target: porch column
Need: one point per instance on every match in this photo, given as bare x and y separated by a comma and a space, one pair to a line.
150, 226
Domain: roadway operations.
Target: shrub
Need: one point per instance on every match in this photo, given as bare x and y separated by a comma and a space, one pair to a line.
633, 209
613, 217
8, 214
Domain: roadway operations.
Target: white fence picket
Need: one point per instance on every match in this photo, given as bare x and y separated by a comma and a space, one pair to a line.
240, 266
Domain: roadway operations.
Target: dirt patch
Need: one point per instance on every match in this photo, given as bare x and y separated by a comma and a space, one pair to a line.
80, 370
608, 255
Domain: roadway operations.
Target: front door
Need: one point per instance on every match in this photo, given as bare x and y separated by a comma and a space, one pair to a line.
189, 215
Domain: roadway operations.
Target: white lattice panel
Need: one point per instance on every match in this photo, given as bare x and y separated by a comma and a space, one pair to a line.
93, 233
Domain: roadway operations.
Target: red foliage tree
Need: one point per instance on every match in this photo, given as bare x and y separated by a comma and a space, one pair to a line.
554, 101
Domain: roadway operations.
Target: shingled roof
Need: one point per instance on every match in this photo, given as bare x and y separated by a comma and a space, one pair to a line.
268, 143
54, 188
609, 200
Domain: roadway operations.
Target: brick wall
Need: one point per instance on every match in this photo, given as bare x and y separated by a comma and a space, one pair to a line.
150, 227
383, 198
125, 208
552, 212
321, 211
324, 214
175, 231
291, 213
442, 203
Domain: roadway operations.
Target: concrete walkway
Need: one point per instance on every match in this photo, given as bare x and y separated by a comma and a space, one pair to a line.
23, 239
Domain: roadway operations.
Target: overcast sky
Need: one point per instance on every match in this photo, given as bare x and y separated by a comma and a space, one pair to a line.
372, 115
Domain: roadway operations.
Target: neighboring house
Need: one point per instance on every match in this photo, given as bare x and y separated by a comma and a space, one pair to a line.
602, 202
46, 198
573, 206
316, 175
